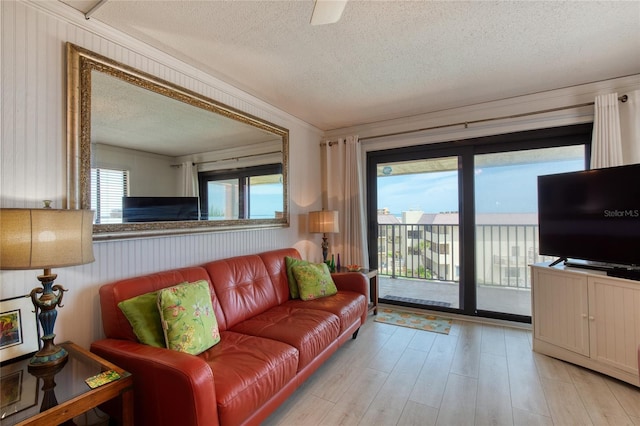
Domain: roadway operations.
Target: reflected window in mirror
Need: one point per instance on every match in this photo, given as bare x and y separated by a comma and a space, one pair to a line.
108, 187
245, 193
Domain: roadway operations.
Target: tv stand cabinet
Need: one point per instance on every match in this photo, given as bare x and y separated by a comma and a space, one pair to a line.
587, 318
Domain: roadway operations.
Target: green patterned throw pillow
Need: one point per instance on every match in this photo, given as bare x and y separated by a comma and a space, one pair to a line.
314, 281
188, 320
293, 284
142, 313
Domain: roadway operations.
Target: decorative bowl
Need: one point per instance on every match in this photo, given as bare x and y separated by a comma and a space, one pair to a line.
354, 268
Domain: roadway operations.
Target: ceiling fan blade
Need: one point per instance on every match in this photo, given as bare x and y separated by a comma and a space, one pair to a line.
327, 11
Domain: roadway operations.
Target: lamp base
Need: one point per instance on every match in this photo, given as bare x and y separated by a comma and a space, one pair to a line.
50, 296
49, 356
325, 248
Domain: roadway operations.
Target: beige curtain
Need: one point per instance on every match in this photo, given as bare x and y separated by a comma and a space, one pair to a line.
188, 184
606, 143
630, 128
344, 192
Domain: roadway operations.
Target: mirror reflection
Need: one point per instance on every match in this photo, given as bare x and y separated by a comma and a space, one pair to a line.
156, 158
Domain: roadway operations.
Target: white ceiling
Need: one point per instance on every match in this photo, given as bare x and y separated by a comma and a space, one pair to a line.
387, 59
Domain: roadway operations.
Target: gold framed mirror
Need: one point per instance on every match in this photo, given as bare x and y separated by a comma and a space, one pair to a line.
152, 158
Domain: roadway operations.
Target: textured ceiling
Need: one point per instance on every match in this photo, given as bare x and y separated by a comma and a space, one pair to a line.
387, 59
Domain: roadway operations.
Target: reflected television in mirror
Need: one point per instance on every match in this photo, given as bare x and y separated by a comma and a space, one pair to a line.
159, 209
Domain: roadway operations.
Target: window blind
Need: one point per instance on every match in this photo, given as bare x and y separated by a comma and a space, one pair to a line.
108, 186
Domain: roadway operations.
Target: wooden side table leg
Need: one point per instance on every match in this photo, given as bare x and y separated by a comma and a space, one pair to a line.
127, 407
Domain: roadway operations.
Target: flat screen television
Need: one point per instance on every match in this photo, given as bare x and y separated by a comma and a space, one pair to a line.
159, 209
591, 215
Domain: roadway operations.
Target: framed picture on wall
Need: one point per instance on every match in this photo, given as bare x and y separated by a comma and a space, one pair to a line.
18, 328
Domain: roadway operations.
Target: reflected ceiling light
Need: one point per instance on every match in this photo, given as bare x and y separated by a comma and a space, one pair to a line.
327, 11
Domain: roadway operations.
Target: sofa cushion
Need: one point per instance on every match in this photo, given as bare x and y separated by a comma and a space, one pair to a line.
243, 287
188, 320
314, 281
309, 331
248, 370
275, 263
346, 305
144, 317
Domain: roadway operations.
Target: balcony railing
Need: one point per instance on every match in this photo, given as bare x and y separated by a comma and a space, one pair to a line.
432, 252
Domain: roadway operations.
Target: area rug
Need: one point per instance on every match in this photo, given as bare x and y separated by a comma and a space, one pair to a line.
420, 321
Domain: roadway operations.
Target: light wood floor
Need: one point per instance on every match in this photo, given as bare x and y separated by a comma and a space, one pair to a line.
479, 374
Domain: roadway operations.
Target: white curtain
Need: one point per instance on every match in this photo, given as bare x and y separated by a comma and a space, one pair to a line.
606, 143
188, 180
344, 186
630, 128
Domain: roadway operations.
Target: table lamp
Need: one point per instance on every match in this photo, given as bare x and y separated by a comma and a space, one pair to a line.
44, 239
323, 222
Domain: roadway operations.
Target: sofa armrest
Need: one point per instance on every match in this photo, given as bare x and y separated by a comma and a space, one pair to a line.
170, 387
351, 281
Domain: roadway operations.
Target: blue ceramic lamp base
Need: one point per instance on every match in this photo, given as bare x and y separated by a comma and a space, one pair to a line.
50, 296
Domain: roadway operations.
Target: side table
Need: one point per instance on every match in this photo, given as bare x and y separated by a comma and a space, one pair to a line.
372, 274
56, 399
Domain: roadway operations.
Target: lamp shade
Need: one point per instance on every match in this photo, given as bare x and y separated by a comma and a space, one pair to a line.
325, 221
45, 238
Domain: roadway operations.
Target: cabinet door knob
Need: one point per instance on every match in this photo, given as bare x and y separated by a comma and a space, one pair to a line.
584, 315
591, 318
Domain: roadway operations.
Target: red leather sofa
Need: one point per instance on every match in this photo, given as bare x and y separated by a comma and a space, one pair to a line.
269, 343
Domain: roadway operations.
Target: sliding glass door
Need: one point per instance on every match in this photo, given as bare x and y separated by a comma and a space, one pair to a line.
418, 242
506, 222
453, 226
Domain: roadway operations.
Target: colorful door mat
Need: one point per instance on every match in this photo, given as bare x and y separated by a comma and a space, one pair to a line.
417, 320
